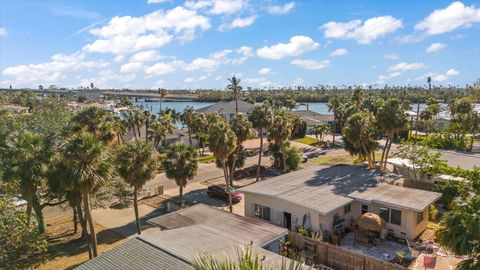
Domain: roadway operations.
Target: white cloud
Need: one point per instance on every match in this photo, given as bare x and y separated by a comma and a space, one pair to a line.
218, 78
108, 79
189, 80
456, 15
297, 46
158, 84
245, 51
452, 72
118, 58
146, 56
439, 77
238, 23
3, 32
205, 64
162, 68
264, 71
198, 4
157, 1
365, 33
130, 34
435, 47
239, 61
131, 67
402, 67
258, 81
391, 56
310, 64
53, 71
281, 9
227, 6
339, 52
298, 81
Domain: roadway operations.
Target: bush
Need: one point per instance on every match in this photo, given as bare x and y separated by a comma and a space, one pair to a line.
432, 213
450, 190
292, 154
21, 245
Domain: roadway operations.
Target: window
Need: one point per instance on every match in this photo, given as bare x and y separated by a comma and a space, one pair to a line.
364, 209
262, 212
391, 215
396, 217
385, 214
348, 208
420, 217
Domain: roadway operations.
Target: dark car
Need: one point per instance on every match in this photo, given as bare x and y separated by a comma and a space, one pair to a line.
219, 192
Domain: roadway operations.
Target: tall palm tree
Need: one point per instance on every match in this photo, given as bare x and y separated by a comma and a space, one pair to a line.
222, 142
137, 162
188, 118
25, 159
236, 89
391, 118
320, 131
260, 118
181, 164
359, 136
280, 130
96, 121
163, 93
120, 127
160, 128
200, 128
334, 106
243, 131
87, 166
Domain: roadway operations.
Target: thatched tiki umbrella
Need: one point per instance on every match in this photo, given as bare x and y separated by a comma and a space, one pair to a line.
370, 222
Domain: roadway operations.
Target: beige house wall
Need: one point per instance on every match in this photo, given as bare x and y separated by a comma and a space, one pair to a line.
408, 226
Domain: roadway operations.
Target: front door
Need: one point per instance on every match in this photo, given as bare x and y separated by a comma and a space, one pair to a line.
287, 220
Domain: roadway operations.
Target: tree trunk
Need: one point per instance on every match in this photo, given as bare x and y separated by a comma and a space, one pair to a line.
146, 131
333, 133
180, 192
228, 187
134, 132
88, 215
138, 130
75, 220
473, 140
384, 159
29, 211
284, 157
83, 224
135, 208
260, 154
38, 213
234, 164
190, 136
388, 152
416, 121
236, 105
118, 138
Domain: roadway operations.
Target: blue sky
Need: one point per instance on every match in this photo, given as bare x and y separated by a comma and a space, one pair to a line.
268, 43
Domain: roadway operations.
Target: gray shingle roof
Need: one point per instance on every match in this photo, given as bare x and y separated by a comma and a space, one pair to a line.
226, 107
313, 118
135, 254
326, 188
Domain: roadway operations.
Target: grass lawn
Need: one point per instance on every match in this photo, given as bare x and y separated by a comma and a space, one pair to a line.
206, 159
307, 140
65, 251
340, 159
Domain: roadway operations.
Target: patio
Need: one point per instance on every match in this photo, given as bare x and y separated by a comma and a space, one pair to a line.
385, 250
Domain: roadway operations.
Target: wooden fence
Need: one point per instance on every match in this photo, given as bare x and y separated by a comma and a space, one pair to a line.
339, 258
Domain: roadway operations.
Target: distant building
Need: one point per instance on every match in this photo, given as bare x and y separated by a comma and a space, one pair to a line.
226, 109
332, 198
314, 119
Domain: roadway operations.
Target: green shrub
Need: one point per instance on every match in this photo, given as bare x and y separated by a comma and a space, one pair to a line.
292, 154
450, 190
432, 213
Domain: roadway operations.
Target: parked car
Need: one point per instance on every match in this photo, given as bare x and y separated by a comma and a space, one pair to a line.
219, 192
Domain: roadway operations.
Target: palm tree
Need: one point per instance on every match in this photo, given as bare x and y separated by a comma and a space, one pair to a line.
120, 127
25, 159
260, 118
320, 131
222, 142
334, 106
136, 163
243, 130
280, 130
163, 93
236, 89
359, 136
188, 118
391, 118
181, 165
160, 128
86, 167
429, 81
200, 128
96, 121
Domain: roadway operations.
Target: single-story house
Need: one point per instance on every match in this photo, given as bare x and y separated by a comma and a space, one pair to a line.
407, 170
314, 119
331, 198
188, 233
226, 109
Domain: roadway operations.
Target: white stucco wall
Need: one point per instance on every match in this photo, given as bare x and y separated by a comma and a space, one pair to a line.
408, 225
